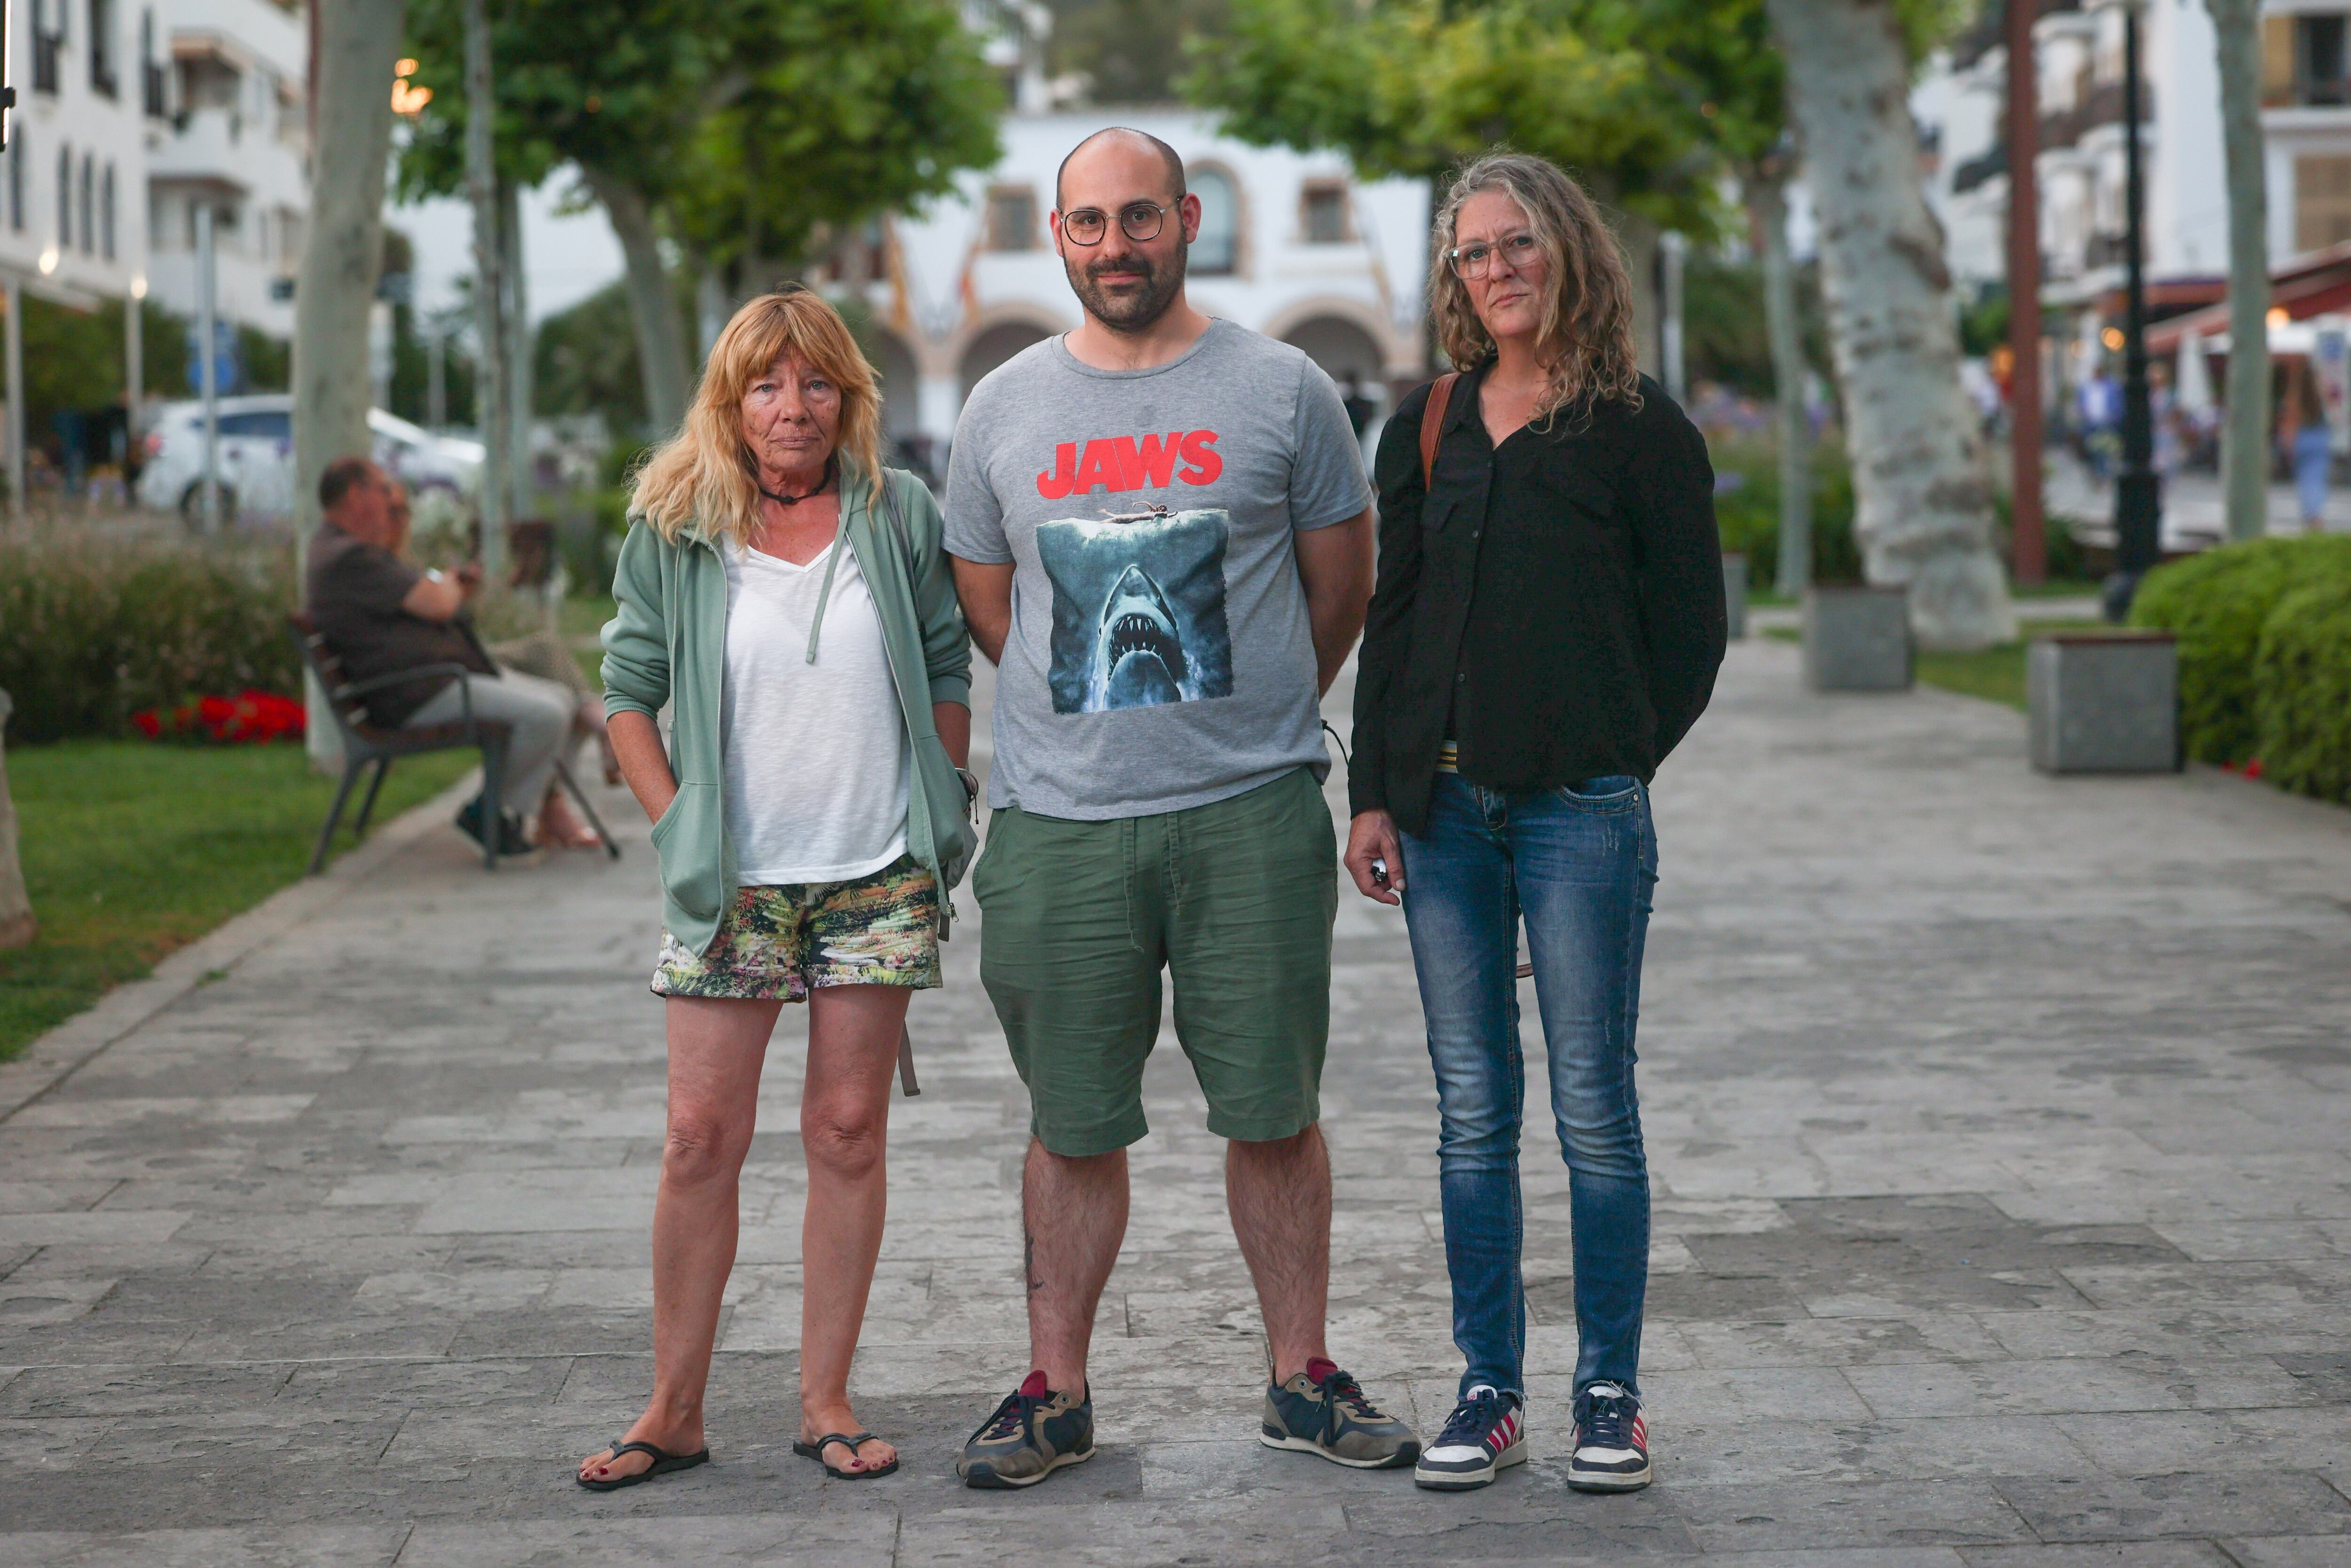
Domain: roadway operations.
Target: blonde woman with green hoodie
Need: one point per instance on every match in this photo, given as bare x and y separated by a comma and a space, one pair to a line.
784, 597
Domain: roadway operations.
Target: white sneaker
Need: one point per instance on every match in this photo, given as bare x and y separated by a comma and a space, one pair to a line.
1611, 1441
1487, 1433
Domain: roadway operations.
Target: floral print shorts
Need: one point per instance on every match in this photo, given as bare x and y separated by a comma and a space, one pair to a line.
784, 942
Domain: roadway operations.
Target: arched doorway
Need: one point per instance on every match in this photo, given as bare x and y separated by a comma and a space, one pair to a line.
1350, 357
994, 346
1340, 347
903, 442
901, 391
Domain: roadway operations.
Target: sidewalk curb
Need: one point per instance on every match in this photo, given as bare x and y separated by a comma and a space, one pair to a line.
57, 1055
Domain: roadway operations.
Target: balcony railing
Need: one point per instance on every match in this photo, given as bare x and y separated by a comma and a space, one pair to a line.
2310, 93
1989, 165
2102, 105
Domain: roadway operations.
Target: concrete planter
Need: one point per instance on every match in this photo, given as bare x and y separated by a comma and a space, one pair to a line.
1734, 592
2104, 702
1857, 639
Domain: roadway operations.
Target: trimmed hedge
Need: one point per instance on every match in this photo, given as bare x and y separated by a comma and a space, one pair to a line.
2303, 684
2218, 604
94, 631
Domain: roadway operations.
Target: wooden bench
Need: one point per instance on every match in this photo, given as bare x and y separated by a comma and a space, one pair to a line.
365, 743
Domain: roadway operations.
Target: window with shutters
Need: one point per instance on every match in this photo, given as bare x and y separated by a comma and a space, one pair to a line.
2322, 201
2306, 59
1322, 212
1012, 218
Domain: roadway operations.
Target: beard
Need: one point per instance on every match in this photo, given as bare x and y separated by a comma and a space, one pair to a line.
1130, 309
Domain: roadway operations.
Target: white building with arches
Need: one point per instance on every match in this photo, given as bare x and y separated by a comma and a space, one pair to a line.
1292, 244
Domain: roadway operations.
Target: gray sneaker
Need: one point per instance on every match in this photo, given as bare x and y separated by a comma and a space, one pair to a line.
1032, 1434
1324, 1411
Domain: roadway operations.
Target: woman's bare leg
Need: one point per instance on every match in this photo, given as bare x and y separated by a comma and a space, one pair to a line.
716, 1049
844, 1121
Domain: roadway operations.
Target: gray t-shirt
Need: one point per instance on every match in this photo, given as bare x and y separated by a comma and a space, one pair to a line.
1160, 656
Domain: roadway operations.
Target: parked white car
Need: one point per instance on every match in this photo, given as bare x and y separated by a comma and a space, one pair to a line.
257, 457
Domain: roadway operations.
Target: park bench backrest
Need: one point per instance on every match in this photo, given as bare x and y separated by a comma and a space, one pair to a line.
350, 712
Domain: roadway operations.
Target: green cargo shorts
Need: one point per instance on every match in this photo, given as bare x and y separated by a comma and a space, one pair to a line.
1234, 899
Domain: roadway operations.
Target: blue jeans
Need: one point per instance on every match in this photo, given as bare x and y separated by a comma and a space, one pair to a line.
1579, 864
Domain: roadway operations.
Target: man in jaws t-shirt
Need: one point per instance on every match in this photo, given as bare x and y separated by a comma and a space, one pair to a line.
1160, 657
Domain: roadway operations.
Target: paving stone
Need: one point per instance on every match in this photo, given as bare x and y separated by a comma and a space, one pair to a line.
2002, 1214
2208, 1503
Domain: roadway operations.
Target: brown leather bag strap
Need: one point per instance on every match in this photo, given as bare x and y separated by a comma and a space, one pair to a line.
1432, 423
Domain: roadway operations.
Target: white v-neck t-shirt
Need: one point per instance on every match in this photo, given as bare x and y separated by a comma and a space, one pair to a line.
815, 754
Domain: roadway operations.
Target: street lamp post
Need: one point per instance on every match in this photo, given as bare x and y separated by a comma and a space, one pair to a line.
2138, 495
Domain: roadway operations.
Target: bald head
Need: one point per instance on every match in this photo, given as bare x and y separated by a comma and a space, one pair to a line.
1119, 139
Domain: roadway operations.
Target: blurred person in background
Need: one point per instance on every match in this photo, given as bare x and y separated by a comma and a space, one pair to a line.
547, 655
379, 616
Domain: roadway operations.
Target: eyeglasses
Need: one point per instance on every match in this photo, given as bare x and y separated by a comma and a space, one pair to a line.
1138, 221
1472, 261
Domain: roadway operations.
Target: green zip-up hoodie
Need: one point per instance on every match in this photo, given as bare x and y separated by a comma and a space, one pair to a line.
667, 644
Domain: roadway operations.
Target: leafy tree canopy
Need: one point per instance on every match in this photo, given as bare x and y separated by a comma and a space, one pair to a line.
841, 109
749, 124
1646, 102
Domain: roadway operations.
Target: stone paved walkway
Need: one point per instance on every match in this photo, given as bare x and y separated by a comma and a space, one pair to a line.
2004, 1216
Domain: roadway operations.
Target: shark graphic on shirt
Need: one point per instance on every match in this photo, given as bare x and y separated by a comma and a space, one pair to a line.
1138, 610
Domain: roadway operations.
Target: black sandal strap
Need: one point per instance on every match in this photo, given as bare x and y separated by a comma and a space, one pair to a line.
655, 1453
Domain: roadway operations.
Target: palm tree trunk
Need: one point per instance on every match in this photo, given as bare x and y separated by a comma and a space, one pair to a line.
357, 40
660, 336
1767, 199
493, 401
2245, 439
1923, 495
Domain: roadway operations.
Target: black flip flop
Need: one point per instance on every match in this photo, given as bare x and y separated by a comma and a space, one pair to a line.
816, 1451
663, 1463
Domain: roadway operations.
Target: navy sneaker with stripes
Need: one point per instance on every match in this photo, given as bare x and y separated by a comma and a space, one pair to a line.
1487, 1433
1611, 1441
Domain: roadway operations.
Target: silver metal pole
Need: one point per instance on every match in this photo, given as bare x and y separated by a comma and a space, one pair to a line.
1672, 246
207, 368
517, 324
134, 369
15, 397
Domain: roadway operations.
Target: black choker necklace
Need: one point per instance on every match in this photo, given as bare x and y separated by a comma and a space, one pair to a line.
822, 486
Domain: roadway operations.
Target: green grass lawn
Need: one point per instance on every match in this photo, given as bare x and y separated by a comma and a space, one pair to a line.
1995, 674
133, 849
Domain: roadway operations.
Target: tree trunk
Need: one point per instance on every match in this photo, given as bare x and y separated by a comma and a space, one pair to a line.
492, 399
661, 337
355, 43
2245, 439
1767, 198
18, 927
1922, 492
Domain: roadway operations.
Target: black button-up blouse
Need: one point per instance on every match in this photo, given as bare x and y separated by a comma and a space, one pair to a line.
1554, 604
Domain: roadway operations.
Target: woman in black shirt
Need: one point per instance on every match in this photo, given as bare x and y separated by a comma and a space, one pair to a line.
1547, 625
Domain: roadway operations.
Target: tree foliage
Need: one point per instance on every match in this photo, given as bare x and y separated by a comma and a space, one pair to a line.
748, 125
836, 111
1647, 101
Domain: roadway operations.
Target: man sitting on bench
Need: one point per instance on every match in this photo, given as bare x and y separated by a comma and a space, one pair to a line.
379, 615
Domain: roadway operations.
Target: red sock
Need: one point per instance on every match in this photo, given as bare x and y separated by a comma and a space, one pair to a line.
1319, 1368
1033, 1386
